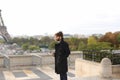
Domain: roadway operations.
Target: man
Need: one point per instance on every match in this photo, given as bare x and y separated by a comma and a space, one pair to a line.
61, 53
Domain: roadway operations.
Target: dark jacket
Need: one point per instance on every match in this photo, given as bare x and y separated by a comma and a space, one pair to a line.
61, 53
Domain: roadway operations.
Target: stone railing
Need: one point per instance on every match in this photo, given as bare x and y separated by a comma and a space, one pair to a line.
1, 61
116, 71
49, 59
104, 70
20, 61
6, 62
13, 62
86, 68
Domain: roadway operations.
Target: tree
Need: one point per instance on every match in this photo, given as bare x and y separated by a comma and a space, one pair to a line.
112, 38
92, 41
81, 45
46, 39
52, 45
73, 43
103, 45
25, 46
118, 38
33, 41
33, 47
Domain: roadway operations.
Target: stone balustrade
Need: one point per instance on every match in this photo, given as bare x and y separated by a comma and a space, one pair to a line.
116, 71
82, 67
1, 61
104, 70
19, 61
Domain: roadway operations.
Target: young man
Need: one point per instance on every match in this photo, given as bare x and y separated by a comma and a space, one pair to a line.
61, 53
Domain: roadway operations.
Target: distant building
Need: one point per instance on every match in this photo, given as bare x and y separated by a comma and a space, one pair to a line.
79, 36
67, 36
75, 35
37, 37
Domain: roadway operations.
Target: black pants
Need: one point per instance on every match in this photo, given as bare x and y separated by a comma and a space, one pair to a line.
63, 76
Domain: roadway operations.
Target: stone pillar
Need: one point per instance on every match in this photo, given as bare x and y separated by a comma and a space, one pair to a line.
7, 62
106, 69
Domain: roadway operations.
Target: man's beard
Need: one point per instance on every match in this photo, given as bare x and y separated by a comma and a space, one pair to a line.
58, 39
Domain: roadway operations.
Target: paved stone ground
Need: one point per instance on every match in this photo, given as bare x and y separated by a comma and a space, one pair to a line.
37, 73
44, 73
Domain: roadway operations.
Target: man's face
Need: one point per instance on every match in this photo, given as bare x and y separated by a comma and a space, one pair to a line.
57, 38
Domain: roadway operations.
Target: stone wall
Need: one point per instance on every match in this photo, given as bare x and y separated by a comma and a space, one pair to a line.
85, 68
103, 70
19, 61
116, 71
36, 60
49, 59
1, 61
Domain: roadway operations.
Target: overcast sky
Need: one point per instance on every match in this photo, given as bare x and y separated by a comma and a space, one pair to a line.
36, 17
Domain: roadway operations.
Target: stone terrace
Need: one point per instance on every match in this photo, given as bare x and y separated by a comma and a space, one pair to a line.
37, 73
37, 67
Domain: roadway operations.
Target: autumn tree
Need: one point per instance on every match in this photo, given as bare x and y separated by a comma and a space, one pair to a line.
116, 39
113, 38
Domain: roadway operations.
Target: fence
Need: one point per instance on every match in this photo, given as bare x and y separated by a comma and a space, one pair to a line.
98, 55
